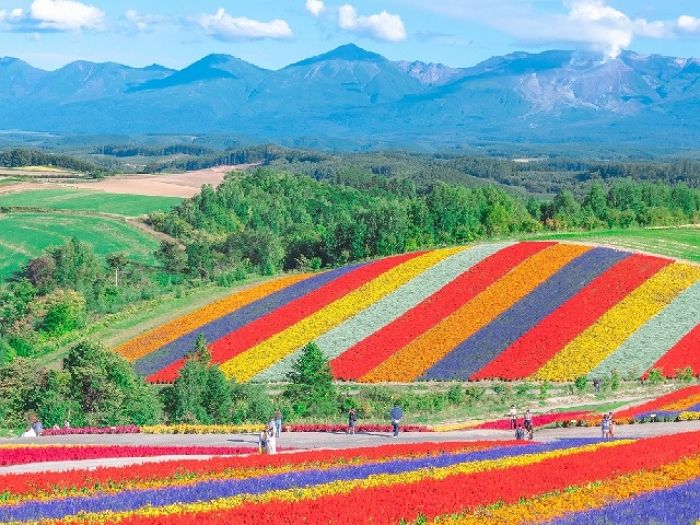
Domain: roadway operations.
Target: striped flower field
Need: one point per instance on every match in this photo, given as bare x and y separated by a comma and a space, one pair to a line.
655, 480
540, 310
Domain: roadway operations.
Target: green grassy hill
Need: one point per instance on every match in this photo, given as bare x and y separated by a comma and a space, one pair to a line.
24, 236
89, 201
680, 243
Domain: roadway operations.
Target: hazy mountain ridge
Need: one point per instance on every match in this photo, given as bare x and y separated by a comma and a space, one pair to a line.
350, 97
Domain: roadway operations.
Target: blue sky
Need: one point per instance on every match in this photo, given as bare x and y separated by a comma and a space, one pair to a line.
274, 33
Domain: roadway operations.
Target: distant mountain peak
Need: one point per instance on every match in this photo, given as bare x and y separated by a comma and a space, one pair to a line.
347, 52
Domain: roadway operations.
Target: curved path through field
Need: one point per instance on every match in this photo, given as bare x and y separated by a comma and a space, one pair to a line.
310, 440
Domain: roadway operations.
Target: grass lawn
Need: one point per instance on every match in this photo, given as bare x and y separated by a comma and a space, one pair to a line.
90, 201
24, 236
681, 243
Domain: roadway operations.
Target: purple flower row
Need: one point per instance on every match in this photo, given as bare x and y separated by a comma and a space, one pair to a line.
675, 506
210, 490
223, 326
484, 346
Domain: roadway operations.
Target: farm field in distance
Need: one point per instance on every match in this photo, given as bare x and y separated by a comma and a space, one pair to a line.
677, 242
24, 236
88, 201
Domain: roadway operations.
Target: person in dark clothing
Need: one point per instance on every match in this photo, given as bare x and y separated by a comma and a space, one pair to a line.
520, 433
352, 420
528, 420
396, 415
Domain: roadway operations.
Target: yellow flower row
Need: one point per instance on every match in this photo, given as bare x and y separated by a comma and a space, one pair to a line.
202, 429
338, 487
158, 337
253, 361
689, 416
418, 356
602, 338
551, 506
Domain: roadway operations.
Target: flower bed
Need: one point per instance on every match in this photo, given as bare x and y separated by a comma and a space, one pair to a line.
506, 483
39, 454
127, 429
541, 310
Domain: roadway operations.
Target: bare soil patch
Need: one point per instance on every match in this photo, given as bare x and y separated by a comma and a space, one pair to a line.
183, 185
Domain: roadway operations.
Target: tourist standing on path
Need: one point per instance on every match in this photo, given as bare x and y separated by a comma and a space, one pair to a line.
352, 420
611, 425
396, 415
513, 417
519, 433
278, 423
271, 439
528, 420
605, 426
262, 441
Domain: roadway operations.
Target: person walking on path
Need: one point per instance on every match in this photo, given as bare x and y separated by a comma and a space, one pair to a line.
528, 420
396, 415
278, 423
352, 420
519, 433
513, 417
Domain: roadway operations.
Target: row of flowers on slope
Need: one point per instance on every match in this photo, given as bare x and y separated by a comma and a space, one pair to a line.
606, 335
529, 353
563, 275
392, 491
260, 357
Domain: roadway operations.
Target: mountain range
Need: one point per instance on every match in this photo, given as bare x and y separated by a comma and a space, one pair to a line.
350, 98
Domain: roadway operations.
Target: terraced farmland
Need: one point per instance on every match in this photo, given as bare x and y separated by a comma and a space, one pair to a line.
541, 310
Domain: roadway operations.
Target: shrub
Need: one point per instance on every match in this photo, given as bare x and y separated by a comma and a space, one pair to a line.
656, 377
685, 374
581, 383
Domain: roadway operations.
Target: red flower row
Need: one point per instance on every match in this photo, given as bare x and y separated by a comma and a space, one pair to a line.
537, 421
659, 402
19, 456
453, 494
684, 354
50, 481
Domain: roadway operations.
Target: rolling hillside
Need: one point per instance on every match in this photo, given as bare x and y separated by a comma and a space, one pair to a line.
540, 310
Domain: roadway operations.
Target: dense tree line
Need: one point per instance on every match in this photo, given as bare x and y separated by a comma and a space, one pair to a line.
122, 151
267, 221
21, 157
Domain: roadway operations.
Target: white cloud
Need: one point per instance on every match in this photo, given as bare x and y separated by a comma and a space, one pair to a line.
223, 26
688, 24
382, 26
315, 7
143, 22
65, 15
590, 24
53, 15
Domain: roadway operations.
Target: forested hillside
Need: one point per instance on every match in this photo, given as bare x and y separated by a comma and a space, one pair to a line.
268, 220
